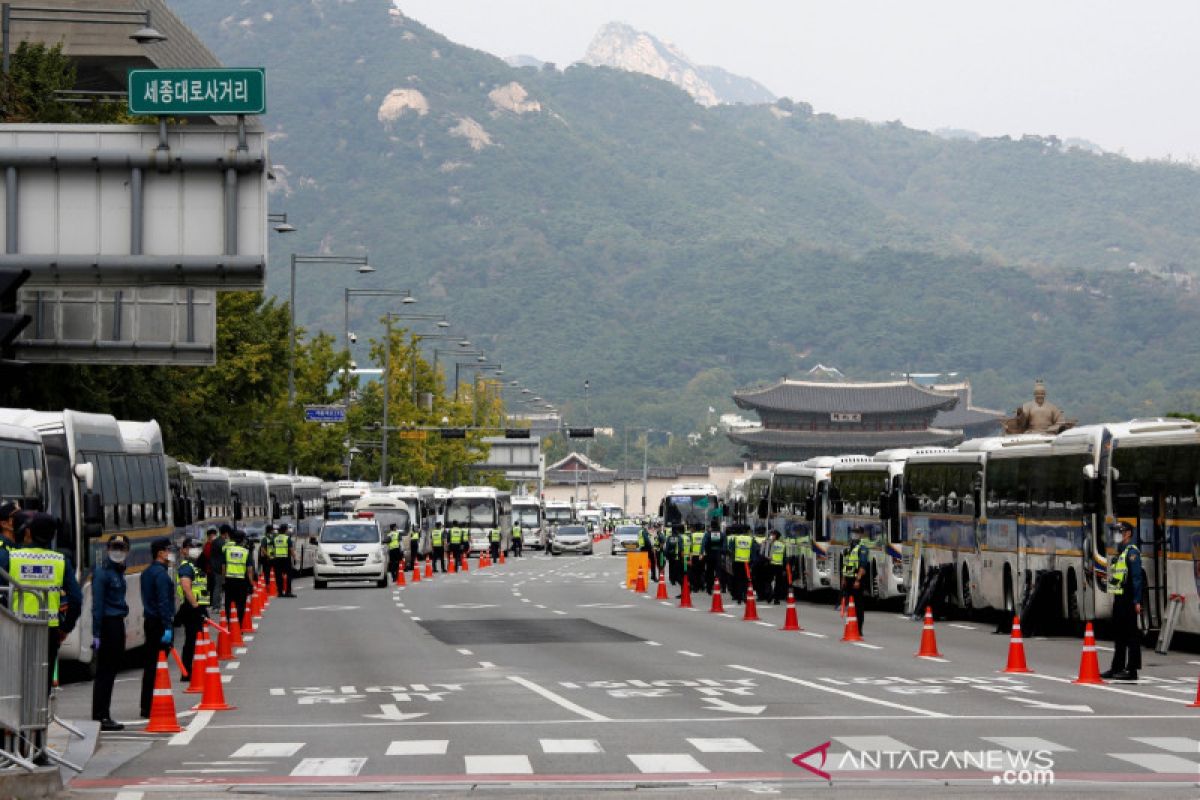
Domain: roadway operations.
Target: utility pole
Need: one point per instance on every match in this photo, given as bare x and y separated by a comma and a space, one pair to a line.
387, 390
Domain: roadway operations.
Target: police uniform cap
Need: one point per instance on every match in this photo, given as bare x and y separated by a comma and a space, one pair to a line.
41, 527
158, 545
7, 509
1122, 527
226, 529
119, 541
283, 528
188, 542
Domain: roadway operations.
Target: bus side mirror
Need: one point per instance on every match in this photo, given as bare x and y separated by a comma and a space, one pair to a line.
810, 508
1089, 471
884, 503
312, 540
87, 474
300, 512
93, 514
237, 509
276, 509
762, 508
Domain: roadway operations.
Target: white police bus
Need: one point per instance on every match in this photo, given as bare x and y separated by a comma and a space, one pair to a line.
527, 512
480, 509
200, 499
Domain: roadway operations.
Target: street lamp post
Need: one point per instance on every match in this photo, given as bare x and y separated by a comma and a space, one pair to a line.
363, 268
387, 382
347, 337
10, 13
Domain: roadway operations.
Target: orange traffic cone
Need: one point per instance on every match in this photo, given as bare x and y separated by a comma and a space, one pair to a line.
428, 567
850, 632
718, 604
1089, 663
1197, 703
400, 576
224, 646
685, 596
213, 698
1016, 650
751, 614
272, 589
247, 621
453, 564
662, 587
502, 557
791, 622
256, 604
235, 631
928, 647
199, 664
416, 578
640, 585
162, 707
463, 565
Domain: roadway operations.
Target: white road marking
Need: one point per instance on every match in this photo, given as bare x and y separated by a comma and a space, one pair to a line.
659, 763
418, 747
814, 634
526, 600
278, 691
344, 767
415, 619
465, 652
407, 610
938, 659
866, 645
689, 653
731, 745
539, 605
487, 665
218, 771
268, 750
558, 699
653, 644
129, 796
233, 665
498, 765
765, 624
1028, 744
232, 763
240, 651
560, 613
1108, 688
1105, 648
881, 743
226, 678
195, 726
571, 746
842, 692
1159, 762
960, 626
1176, 744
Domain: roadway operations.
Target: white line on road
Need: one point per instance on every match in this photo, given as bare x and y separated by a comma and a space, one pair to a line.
689, 653
465, 651
415, 619
558, 699
268, 750
560, 613
866, 645
842, 692
487, 665
328, 767
233, 665
129, 796
653, 644
220, 770
814, 634
1104, 648
1108, 688
960, 625
195, 726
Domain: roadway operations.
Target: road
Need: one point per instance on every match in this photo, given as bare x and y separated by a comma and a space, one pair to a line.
545, 675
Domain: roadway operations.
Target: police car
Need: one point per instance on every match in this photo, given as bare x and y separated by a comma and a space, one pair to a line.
350, 550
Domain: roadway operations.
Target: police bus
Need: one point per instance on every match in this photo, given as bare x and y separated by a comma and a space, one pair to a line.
858, 492
387, 510
794, 505
252, 508
557, 512
342, 495
310, 514
692, 505
103, 476
200, 499
527, 512
480, 509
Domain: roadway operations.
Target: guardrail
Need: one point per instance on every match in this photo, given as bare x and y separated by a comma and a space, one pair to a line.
24, 695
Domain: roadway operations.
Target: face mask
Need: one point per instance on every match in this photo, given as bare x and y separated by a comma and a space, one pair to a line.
117, 556
170, 558
194, 552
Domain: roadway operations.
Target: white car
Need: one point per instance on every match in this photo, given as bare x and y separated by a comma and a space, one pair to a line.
625, 539
350, 550
571, 539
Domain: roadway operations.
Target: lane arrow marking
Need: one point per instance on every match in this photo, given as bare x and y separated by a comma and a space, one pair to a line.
717, 704
391, 712
1052, 706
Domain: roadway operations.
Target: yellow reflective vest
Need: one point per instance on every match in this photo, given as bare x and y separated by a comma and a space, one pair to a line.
39, 569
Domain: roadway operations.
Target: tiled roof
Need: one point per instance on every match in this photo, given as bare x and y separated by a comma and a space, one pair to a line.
566, 476
828, 397
964, 414
857, 441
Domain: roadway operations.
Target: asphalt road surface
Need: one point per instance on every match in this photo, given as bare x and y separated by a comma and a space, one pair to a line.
547, 677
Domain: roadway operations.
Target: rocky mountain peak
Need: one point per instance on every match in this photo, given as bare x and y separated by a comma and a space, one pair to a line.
621, 46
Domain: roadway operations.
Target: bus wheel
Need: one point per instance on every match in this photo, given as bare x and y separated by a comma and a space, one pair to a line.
1004, 624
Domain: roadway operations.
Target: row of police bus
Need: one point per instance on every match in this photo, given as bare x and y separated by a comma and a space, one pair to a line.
1004, 524
100, 476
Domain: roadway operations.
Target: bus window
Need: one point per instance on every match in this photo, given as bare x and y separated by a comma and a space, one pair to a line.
10, 473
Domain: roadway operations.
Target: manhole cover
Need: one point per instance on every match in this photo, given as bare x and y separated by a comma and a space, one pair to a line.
523, 631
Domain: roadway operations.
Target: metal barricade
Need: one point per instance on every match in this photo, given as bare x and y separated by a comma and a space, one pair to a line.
24, 695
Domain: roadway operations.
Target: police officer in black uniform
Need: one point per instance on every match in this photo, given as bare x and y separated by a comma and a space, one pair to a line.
1125, 584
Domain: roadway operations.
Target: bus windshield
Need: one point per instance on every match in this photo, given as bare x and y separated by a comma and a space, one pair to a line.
350, 534
525, 517
688, 510
478, 511
558, 516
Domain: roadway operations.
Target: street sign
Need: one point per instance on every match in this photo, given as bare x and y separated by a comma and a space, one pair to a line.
178, 92
414, 435
324, 413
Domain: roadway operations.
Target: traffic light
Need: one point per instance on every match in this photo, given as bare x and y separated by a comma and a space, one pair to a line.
11, 323
454, 433
516, 433
581, 433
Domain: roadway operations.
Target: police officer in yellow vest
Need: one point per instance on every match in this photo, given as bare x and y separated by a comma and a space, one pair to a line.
1125, 584
515, 545
646, 545
777, 551
238, 574
760, 564
437, 545
854, 571
414, 543
393, 548
743, 552
36, 565
282, 553
494, 543
191, 597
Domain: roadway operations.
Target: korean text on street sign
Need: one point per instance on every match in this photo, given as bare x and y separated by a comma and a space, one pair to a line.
177, 92
324, 414
414, 435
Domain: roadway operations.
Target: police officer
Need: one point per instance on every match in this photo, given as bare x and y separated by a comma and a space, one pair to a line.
437, 545
456, 542
37, 565
282, 552
394, 546
674, 552
494, 543
216, 564
696, 567
1125, 584
713, 547
158, 605
743, 551
777, 551
854, 571
414, 542
191, 593
109, 610
516, 539
646, 545
238, 575
7, 540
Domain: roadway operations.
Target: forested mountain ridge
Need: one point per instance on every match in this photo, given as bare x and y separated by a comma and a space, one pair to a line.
593, 223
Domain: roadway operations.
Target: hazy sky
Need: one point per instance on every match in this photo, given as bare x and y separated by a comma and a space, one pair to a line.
1121, 74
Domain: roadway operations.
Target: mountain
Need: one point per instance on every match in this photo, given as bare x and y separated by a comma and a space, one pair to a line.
620, 46
597, 224
524, 60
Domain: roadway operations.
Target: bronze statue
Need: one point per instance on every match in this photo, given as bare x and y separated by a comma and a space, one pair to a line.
1038, 415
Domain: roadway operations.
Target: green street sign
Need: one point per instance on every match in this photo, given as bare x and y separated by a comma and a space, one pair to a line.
178, 92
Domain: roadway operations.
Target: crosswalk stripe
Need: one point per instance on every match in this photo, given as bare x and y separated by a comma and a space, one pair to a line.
327, 767
1028, 744
571, 746
730, 745
1160, 762
658, 763
498, 765
1176, 744
419, 747
267, 750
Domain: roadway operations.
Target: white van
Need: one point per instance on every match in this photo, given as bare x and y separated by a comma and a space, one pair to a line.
350, 550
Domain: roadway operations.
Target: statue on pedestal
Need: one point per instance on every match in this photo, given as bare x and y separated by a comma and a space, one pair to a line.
1038, 415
